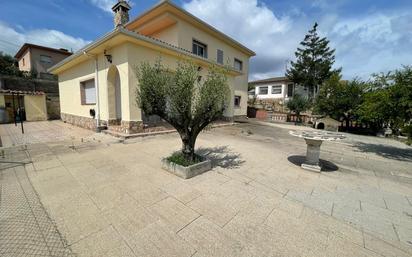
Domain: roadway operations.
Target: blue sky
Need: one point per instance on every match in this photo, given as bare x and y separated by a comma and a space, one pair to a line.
369, 35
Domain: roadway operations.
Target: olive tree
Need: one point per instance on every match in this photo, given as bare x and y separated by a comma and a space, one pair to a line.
182, 98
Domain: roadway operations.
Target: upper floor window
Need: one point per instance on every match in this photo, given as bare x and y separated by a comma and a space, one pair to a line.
238, 65
45, 59
263, 90
219, 56
276, 89
199, 49
88, 92
24, 63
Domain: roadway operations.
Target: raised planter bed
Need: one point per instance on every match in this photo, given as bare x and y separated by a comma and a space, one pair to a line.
189, 171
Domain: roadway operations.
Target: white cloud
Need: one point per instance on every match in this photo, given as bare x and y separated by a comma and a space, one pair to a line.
12, 39
256, 26
375, 43
105, 5
367, 44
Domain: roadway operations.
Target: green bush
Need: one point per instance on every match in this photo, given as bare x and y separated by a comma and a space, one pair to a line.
180, 159
407, 131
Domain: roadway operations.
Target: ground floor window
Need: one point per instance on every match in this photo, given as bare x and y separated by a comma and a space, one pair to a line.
263, 90
237, 100
88, 92
276, 89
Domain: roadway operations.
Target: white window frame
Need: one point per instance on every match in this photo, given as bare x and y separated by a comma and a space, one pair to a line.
276, 87
219, 60
42, 58
88, 92
196, 45
260, 89
240, 64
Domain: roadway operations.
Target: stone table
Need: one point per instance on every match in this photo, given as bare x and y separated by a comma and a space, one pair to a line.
314, 140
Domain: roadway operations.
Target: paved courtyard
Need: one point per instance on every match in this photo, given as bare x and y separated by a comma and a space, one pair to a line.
102, 197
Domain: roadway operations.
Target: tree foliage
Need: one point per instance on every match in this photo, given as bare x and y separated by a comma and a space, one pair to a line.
314, 60
388, 101
340, 99
179, 97
8, 65
298, 104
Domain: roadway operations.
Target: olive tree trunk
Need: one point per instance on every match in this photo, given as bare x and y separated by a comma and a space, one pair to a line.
188, 145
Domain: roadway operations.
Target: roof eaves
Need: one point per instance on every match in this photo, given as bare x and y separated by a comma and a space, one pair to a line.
25, 46
275, 79
164, 2
135, 35
85, 49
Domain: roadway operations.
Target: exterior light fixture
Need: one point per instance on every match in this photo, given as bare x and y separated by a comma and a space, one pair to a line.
108, 57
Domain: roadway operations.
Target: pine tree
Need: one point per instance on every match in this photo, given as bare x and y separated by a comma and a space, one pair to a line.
314, 60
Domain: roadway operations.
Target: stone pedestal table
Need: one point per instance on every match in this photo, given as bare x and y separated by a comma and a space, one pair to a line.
314, 140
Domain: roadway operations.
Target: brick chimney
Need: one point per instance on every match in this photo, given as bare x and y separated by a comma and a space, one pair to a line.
121, 13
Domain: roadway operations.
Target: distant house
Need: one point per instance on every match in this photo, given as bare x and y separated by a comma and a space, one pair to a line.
36, 98
98, 83
276, 88
38, 59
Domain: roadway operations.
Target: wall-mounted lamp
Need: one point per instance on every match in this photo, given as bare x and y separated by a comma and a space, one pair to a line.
108, 57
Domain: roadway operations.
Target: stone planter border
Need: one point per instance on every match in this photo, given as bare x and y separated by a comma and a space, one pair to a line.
189, 171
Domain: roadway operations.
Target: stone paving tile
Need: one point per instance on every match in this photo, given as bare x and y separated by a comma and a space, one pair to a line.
398, 203
244, 225
106, 242
78, 218
385, 248
209, 239
182, 191
107, 195
404, 233
129, 219
175, 214
334, 226
147, 196
156, 240
221, 207
338, 247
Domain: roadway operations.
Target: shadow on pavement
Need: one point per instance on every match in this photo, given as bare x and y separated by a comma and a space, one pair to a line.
327, 166
221, 156
390, 152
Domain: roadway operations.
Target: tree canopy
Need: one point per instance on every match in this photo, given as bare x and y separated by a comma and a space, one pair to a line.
8, 65
339, 99
182, 98
388, 101
314, 61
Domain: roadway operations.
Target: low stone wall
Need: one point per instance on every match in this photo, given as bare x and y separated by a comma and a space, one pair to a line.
83, 122
130, 127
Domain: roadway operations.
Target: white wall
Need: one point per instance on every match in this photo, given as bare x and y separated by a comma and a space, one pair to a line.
270, 95
283, 95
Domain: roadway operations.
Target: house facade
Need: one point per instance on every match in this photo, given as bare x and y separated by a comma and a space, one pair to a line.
101, 77
276, 88
37, 58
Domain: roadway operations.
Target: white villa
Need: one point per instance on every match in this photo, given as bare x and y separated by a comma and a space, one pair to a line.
277, 88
